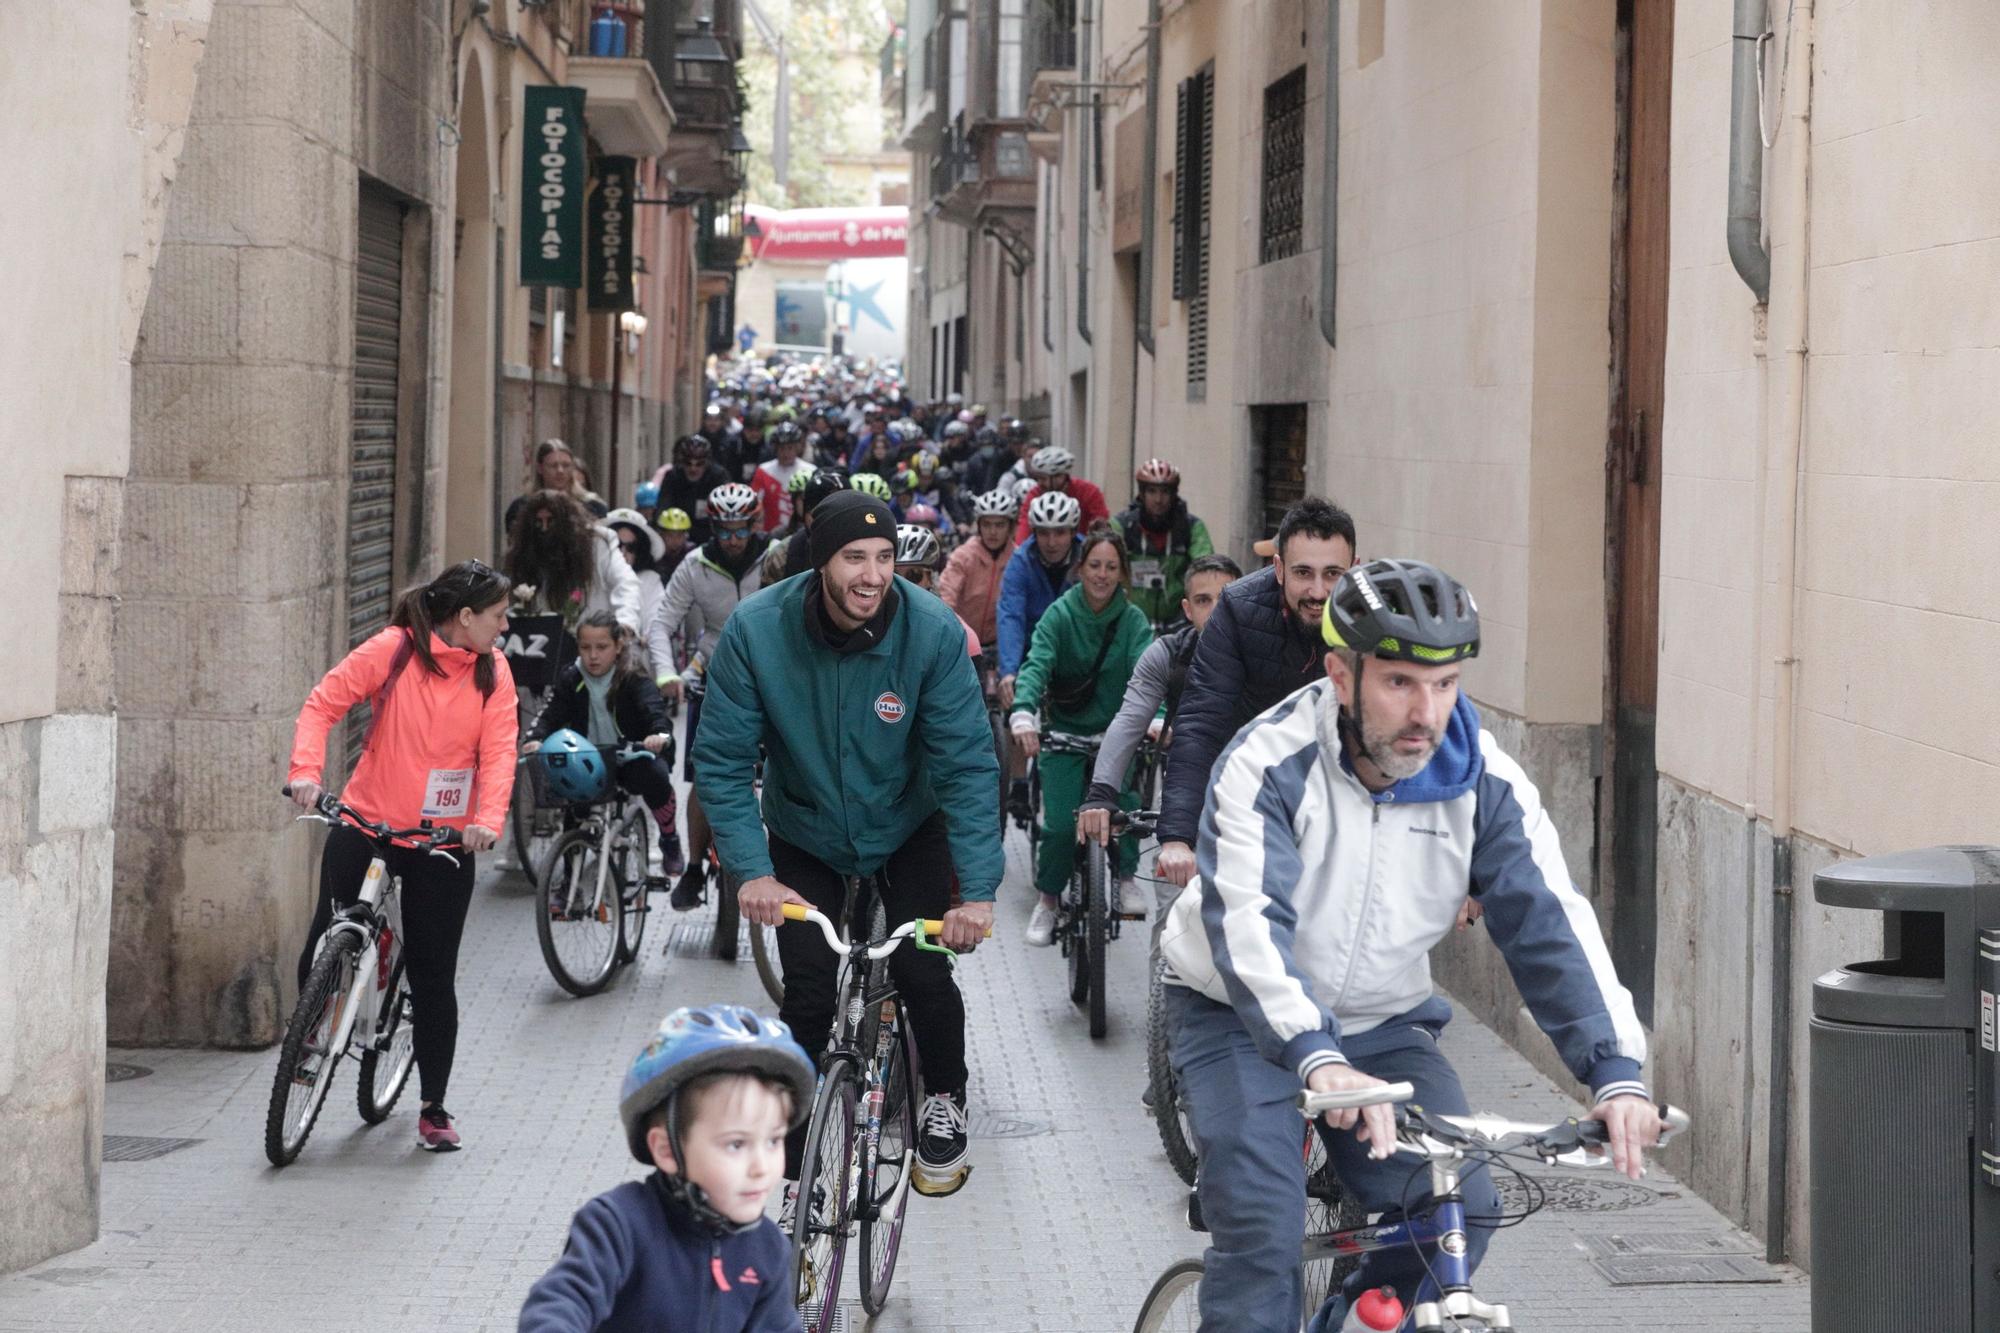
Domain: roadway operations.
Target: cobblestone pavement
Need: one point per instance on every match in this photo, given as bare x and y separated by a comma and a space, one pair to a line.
1065, 1223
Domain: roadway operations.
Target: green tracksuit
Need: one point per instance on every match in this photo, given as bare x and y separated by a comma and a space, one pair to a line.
1066, 642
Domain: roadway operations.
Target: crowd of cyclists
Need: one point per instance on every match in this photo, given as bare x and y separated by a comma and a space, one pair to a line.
844, 587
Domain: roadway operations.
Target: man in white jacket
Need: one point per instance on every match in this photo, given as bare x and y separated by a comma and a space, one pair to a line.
1342, 831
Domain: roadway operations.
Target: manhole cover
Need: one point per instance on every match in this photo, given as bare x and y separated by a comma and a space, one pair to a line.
1648, 1270
136, 1148
1007, 1125
1681, 1243
117, 1073
1574, 1194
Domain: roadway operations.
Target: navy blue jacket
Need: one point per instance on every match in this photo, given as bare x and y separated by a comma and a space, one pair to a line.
1027, 590
1252, 654
633, 1262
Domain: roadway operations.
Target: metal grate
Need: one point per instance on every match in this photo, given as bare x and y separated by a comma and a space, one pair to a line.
1575, 1194
1644, 1270
1680, 1243
1284, 167
137, 1148
1201, 155
371, 478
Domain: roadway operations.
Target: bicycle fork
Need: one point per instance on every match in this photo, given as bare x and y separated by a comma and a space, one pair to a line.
1446, 1291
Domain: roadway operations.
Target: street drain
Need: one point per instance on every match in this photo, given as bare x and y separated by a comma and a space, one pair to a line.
137, 1148
1679, 1243
847, 1316
1662, 1270
690, 939
117, 1073
1007, 1125
1574, 1194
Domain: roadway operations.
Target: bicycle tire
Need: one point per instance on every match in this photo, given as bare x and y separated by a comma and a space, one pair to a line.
1096, 929
1176, 1136
725, 943
1171, 1306
882, 1234
1069, 933
770, 967
596, 963
819, 1222
380, 1082
289, 1123
629, 871
1034, 815
996, 721
1320, 1277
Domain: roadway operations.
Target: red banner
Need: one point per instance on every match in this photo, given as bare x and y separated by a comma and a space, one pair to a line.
826, 235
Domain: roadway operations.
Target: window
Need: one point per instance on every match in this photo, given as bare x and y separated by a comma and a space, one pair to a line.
1284, 167
1280, 435
1194, 169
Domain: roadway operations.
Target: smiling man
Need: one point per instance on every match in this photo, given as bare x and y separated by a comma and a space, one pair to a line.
878, 757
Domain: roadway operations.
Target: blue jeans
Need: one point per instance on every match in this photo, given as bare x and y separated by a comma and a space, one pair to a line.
1248, 1133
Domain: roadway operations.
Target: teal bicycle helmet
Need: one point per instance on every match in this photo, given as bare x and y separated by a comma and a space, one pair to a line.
574, 768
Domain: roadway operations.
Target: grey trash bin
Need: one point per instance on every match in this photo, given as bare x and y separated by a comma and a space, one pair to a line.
1904, 1141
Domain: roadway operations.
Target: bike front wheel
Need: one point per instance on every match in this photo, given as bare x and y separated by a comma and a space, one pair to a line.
1175, 1134
578, 928
895, 1158
1173, 1305
725, 944
770, 967
306, 1059
1096, 927
820, 1220
628, 869
385, 1067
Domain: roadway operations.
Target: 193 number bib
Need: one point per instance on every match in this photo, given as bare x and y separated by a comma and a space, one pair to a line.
447, 793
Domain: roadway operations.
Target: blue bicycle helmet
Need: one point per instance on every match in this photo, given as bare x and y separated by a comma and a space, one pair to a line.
574, 768
646, 496
717, 1038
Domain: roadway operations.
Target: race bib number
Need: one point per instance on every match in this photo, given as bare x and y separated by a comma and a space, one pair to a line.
447, 793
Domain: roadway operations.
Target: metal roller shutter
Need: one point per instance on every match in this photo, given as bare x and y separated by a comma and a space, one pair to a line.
371, 480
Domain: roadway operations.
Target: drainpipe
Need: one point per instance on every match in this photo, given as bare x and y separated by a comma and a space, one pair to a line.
1746, 152
1329, 206
1789, 332
1149, 193
1083, 137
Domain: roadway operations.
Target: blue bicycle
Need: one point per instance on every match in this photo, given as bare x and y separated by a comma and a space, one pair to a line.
1445, 1300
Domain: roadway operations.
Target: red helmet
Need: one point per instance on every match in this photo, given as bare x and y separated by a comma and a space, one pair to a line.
1158, 472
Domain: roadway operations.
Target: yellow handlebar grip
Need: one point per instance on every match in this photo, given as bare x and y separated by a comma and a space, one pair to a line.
794, 911
935, 928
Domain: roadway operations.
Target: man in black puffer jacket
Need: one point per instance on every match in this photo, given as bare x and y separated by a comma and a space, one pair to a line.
1262, 643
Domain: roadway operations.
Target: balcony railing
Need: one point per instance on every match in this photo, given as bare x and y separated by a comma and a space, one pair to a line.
957, 160
1051, 36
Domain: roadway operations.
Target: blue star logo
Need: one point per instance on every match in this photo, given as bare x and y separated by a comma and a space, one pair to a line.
862, 300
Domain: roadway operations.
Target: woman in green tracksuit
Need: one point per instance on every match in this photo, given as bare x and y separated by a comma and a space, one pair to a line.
1073, 680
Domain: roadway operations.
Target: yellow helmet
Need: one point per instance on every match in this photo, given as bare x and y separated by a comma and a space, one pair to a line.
674, 520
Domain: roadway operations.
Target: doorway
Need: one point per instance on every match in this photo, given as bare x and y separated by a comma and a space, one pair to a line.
1278, 433
1629, 814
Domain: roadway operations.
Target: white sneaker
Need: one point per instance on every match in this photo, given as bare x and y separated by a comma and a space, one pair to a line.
1131, 898
1042, 926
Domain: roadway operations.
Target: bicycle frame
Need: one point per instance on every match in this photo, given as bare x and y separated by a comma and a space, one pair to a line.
374, 918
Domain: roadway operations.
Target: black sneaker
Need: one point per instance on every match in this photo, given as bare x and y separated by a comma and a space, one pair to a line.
691, 892
1018, 804
673, 861
942, 1134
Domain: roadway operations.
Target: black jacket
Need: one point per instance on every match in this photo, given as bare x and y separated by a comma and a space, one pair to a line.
691, 497
1252, 654
636, 705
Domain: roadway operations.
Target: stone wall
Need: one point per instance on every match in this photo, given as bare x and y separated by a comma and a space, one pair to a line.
236, 508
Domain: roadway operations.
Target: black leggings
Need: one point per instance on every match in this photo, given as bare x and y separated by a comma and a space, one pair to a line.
436, 897
916, 882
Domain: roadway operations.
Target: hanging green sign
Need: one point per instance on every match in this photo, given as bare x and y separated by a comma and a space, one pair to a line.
552, 179
610, 235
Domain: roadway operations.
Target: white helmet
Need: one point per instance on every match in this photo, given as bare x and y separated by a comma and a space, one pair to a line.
916, 546
996, 504
1052, 461
1054, 509
731, 502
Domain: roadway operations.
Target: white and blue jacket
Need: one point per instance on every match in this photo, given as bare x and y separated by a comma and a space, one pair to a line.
1319, 901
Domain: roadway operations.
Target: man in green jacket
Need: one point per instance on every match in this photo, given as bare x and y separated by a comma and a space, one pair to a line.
877, 757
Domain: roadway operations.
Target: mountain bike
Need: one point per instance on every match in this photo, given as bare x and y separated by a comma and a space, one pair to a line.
356, 998
593, 886
1085, 921
1445, 1300
861, 1140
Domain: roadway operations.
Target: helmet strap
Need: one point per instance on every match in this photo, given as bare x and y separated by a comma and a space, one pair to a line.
1350, 719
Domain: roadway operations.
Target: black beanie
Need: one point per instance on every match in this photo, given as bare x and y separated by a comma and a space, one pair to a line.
848, 516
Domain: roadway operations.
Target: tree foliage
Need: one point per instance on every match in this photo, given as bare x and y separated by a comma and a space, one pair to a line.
834, 48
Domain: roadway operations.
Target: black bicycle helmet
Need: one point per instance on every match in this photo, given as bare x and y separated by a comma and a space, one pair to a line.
787, 432
822, 484
1404, 610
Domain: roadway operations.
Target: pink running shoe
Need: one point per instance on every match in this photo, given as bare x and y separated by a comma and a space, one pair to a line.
435, 1132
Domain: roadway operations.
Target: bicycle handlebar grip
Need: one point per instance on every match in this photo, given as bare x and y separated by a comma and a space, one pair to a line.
933, 927
794, 911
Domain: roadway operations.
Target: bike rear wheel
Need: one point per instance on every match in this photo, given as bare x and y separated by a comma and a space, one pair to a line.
1172, 1305
630, 848
385, 1067
1096, 928
1329, 1208
820, 1221
1176, 1136
579, 935
307, 1060
889, 1192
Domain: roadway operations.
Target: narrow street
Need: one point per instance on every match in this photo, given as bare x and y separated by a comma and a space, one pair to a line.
1070, 1214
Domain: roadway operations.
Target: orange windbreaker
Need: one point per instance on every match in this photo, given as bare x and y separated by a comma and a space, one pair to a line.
428, 723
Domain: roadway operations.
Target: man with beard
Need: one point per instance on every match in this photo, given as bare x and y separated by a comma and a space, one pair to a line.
1342, 830
699, 600
877, 758
1262, 644
687, 485
1163, 539
563, 563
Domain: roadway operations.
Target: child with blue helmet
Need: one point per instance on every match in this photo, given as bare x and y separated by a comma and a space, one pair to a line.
707, 1103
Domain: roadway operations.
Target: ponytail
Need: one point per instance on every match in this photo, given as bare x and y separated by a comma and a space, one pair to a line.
420, 610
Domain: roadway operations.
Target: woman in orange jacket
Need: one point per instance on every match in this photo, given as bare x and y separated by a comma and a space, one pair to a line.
440, 747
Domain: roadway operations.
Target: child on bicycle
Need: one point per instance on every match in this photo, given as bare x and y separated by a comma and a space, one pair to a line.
605, 697
707, 1103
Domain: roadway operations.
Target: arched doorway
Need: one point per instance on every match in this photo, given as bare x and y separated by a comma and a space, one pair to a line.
472, 459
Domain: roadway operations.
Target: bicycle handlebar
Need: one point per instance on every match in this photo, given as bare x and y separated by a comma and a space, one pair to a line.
1445, 1135
432, 839
1068, 742
888, 944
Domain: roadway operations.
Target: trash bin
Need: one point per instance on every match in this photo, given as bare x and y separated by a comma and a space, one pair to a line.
1905, 1121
